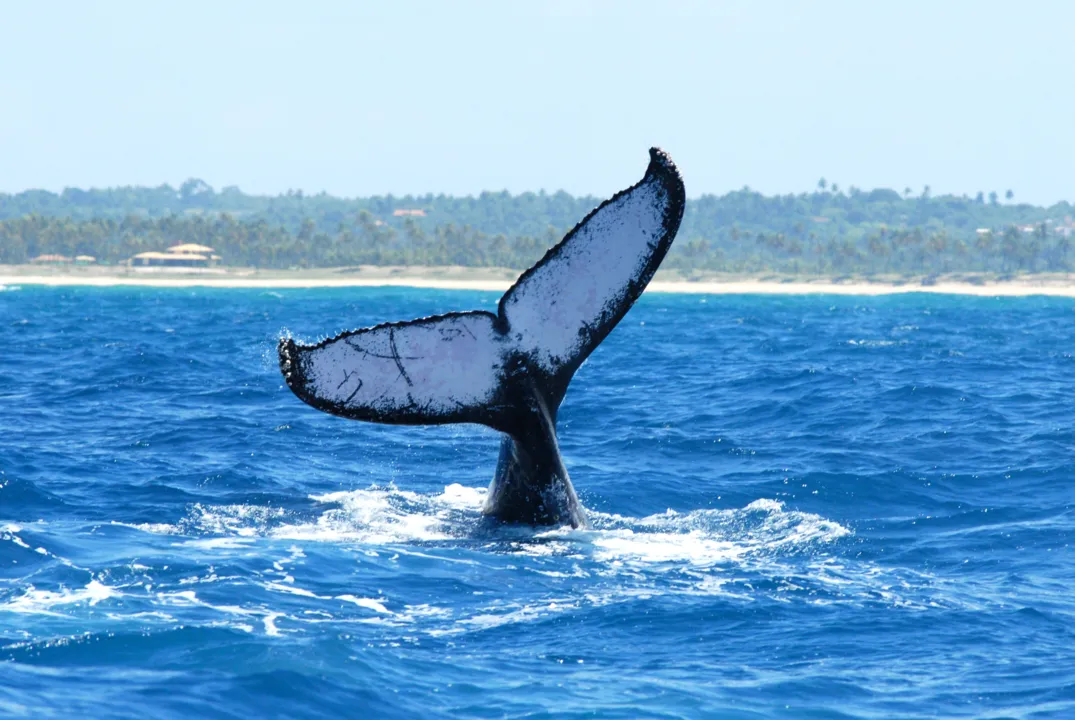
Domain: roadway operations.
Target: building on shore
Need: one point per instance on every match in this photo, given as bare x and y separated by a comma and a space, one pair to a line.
193, 248
187, 255
51, 260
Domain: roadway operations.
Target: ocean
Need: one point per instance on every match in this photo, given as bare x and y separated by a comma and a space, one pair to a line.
802, 507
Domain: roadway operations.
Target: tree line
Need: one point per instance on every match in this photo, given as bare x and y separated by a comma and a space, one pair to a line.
365, 241
827, 231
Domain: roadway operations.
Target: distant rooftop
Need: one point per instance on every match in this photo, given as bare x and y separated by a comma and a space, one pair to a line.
170, 255
186, 248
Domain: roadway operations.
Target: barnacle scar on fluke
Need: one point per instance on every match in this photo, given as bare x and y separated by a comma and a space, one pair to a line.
510, 370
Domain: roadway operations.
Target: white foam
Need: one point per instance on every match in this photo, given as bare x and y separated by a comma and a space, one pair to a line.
15, 539
293, 590
761, 550
692, 548
269, 620
699, 538
519, 614
221, 543
876, 343
382, 516
379, 516
41, 602
374, 516
461, 497
242, 520
367, 603
189, 598
152, 528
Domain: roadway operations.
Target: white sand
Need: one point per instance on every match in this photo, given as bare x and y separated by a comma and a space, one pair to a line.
229, 281
1014, 288
493, 279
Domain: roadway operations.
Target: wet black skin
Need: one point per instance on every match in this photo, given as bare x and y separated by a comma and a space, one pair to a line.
531, 485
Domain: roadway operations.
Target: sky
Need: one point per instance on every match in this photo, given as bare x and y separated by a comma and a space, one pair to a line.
406, 97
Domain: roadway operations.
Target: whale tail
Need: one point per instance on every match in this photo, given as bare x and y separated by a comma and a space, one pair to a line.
503, 370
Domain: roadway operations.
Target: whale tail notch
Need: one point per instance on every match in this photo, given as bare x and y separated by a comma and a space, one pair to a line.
482, 367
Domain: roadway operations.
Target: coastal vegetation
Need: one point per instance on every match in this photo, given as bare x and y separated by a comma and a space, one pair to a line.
827, 231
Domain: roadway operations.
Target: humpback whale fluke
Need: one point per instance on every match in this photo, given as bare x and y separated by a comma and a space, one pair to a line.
510, 370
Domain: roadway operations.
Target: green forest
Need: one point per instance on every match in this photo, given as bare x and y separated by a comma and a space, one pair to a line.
828, 231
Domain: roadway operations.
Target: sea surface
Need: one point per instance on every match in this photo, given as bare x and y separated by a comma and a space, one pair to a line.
802, 507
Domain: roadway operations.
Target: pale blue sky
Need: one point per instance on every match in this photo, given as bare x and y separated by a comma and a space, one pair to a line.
459, 97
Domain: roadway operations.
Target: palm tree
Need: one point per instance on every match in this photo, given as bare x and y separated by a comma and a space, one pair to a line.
984, 243
1009, 248
1063, 248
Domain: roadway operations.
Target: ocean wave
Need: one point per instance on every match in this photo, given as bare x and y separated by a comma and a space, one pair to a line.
385, 515
761, 550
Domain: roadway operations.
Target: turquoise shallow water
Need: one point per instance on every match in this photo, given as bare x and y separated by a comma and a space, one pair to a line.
802, 507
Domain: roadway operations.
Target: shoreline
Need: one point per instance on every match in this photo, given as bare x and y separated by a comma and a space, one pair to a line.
499, 280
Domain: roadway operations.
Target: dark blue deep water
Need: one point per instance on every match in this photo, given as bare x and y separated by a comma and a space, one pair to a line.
803, 507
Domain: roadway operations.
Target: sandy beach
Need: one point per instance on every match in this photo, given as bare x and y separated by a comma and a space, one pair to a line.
500, 279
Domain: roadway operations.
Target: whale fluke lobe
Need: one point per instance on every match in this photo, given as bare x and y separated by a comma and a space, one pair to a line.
510, 370
442, 369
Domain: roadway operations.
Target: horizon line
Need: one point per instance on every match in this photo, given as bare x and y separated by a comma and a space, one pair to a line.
848, 191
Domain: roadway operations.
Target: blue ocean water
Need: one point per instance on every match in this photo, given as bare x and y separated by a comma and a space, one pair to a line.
802, 506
